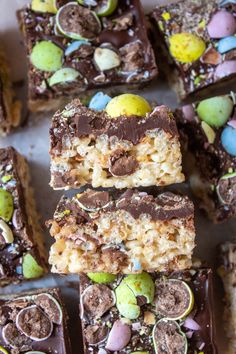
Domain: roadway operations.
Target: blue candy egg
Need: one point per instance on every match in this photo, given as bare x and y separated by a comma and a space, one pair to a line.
228, 140
75, 46
226, 44
99, 101
227, 2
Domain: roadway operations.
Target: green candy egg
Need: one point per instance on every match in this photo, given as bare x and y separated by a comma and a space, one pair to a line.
44, 6
134, 285
101, 278
126, 302
3, 350
215, 111
105, 9
47, 56
63, 76
31, 269
141, 285
6, 205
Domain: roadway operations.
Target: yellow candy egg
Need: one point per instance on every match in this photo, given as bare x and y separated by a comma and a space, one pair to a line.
186, 47
128, 104
44, 6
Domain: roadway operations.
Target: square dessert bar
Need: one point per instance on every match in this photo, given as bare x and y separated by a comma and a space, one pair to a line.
73, 48
34, 322
96, 232
22, 253
88, 147
208, 129
227, 272
148, 313
10, 109
198, 41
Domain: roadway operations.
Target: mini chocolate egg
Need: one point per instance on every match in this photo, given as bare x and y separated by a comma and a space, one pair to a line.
128, 104
228, 140
222, 24
224, 69
226, 44
215, 111
99, 101
6, 205
186, 47
31, 269
119, 336
46, 56
106, 59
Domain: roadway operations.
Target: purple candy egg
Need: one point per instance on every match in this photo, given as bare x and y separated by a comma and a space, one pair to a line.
188, 112
221, 25
119, 336
225, 69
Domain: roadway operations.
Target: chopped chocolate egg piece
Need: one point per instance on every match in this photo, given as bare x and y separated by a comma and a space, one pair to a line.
50, 306
125, 144
195, 43
34, 323
97, 300
22, 252
80, 46
168, 338
115, 238
30, 323
93, 200
174, 299
150, 332
209, 136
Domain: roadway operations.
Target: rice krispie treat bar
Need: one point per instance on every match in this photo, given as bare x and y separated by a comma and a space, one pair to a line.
120, 142
208, 129
95, 232
10, 109
227, 272
75, 46
34, 323
197, 41
22, 253
148, 313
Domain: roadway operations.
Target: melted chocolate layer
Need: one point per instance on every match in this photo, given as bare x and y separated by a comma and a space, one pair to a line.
80, 121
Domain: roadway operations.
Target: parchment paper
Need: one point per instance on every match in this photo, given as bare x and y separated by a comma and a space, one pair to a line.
32, 141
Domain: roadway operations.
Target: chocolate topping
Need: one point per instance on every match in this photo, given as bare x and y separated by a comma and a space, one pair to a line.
80, 121
165, 206
168, 339
14, 338
122, 164
97, 300
50, 306
172, 298
95, 334
93, 200
33, 322
79, 20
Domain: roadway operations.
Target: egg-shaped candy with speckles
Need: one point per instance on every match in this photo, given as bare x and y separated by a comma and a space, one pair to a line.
186, 47
224, 69
226, 44
222, 24
228, 140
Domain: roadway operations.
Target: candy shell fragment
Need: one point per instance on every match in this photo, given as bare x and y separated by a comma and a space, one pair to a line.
31, 269
44, 6
62, 76
6, 205
106, 59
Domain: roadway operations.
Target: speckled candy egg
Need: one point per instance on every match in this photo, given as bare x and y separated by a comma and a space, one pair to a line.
224, 69
186, 47
222, 24
228, 140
